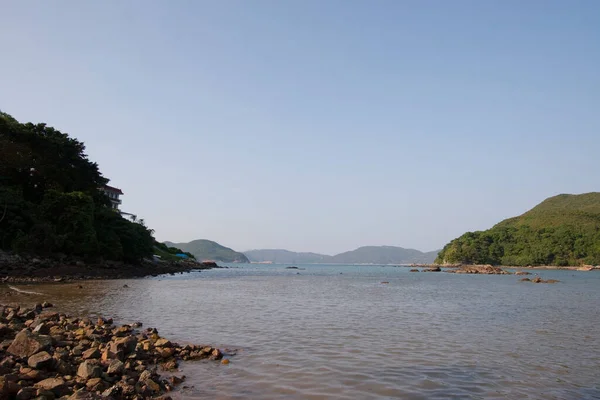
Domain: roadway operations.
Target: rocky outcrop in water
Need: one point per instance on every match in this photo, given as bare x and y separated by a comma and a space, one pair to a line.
479, 269
50, 355
537, 279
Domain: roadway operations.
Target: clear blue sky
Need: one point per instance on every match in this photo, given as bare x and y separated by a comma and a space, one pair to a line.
317, 125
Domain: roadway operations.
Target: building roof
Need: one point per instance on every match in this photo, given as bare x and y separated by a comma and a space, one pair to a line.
112, 189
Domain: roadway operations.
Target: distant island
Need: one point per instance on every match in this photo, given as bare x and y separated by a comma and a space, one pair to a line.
362, 255
208, 250
562, 230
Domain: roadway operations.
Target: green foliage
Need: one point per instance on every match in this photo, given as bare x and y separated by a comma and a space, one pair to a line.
168, 252
562, 230
50, 201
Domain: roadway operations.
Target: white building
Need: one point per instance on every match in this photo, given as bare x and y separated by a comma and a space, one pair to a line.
113, 194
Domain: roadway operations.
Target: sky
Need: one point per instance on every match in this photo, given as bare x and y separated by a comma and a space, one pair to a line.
316, 125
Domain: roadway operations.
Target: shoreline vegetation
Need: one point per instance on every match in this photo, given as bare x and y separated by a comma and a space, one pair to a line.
51, 355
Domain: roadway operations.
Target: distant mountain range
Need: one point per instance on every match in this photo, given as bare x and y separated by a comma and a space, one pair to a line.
209, 250
362, 255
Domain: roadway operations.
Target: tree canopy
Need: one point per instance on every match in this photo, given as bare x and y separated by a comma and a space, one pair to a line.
562, 230
51, 200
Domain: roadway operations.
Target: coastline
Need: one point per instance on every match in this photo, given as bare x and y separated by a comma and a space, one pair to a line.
47, 354
536, 267
23, 269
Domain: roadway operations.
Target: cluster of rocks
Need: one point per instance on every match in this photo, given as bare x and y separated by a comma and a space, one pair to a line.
23, 269
430, 269
537, 279
479, 269
46, 355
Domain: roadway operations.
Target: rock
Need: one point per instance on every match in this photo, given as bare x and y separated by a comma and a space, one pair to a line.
145, 375
480, 269
216, 354
522, 273
414, 270
47, 305
224, 361
165, 353
525, 280
115, 367
88, 370
95, 384
8, 388
170, 365
27, 344
162, 343
385, 282
41, 360
434, 269
55, 385
30, 374
126, 345
6, 332
91, 353
26, 393
42, 329
153, 386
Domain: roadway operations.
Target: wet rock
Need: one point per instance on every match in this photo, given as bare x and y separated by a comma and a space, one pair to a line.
41, 360
27, 344
88, 370
224, 361
47, 305
433, 269
522, 273
525, 280
216, 354
414, 270
163, 343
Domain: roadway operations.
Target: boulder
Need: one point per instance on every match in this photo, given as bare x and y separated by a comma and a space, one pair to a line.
55, 385
126, 345
41, 360
42, 329
163, 343
88, 370
95, 384
414, 270
91, 353
27, 344
26, 393
115, 367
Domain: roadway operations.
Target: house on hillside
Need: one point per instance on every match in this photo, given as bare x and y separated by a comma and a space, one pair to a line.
113, 194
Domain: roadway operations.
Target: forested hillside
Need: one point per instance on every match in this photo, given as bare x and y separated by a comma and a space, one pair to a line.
562, 230
51, 202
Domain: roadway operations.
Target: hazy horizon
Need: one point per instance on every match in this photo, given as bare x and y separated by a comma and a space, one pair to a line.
316, 126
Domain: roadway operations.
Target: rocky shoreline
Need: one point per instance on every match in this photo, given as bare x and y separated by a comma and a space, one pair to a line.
23, 269
46, 355
536, 267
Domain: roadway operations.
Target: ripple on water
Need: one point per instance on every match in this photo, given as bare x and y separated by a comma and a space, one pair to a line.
326, 335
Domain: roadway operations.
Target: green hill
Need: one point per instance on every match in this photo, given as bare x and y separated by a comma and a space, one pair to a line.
280, 256
562, 230
209, 250
362, 255
383, 255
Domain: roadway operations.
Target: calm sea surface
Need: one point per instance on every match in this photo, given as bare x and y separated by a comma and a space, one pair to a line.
337, 332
